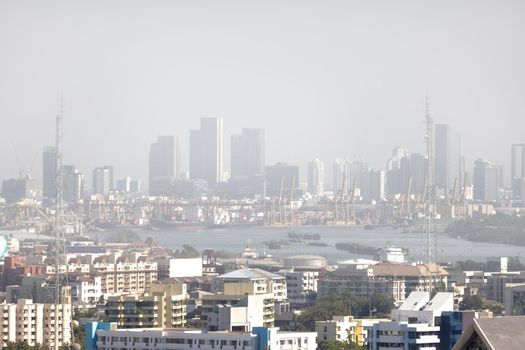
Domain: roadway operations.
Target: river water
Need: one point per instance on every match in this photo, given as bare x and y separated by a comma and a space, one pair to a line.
236, 239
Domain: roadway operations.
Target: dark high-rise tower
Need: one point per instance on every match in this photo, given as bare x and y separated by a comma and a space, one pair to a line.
485, 181
206, 151
49, 173
248, 153
517, 171
163, 164
447, 157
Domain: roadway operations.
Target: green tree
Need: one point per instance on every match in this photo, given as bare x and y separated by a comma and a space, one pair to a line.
472, 302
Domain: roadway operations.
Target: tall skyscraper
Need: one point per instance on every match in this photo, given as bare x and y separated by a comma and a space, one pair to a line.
397, 172
341, 175
206, 151
447, 157
418, 164
373, 185
103, 180
73, 182
49, 173
248, 153
517, 170
281, 173
316, 177
485, 181
164, 164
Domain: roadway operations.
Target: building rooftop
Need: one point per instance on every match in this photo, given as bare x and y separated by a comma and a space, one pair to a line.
250, 274
407, 270
501, 333
415, 301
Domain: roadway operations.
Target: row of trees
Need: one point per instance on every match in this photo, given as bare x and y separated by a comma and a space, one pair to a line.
499, 228
343, 304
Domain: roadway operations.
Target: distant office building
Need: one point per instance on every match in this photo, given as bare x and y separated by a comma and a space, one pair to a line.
206, 151
316, 177
164, 163
447, 157
341, 175
124, 185
16, 189
418, 164
248, 153
103, 180
128, 185
281, 175
485, 181
397, 172
73, 183
373, 188
49, 172
518, 161
517, 170
358, 174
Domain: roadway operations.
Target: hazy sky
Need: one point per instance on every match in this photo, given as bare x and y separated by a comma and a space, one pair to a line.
325, 78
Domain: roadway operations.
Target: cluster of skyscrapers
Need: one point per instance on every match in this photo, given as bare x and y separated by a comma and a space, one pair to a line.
250, 176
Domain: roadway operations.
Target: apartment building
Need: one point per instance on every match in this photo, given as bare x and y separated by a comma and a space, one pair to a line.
35, 323
164, 305
300, 285
238, 308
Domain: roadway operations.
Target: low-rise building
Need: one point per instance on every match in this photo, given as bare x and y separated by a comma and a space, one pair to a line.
344, 328
182, 339
514, 299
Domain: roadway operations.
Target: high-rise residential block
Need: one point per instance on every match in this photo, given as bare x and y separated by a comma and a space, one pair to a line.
73, 183
102, 180
316, 177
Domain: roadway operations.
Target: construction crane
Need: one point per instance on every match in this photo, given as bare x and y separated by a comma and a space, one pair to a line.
281, 213
290, 200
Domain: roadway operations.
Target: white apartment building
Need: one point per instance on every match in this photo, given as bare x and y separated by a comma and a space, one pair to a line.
413, 325
86, 290
35, 323
119, 273
299, 284
237, 309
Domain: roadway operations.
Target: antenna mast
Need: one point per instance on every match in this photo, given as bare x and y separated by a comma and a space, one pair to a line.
59, 214
430, 223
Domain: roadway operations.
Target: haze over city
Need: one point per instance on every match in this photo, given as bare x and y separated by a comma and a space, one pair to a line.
329, 79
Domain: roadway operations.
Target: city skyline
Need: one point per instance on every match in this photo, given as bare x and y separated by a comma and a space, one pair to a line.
358, 94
